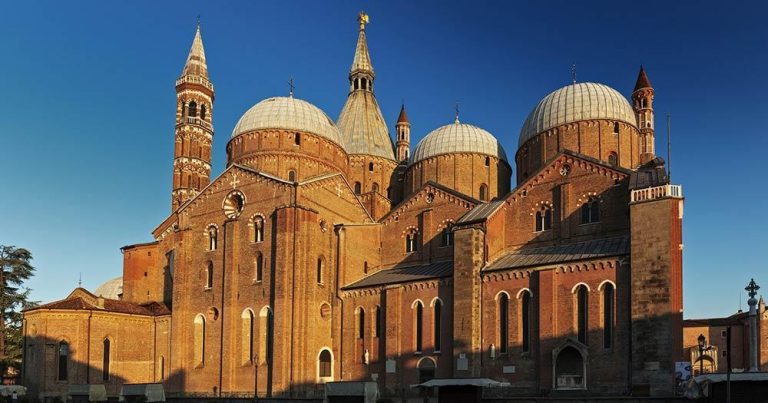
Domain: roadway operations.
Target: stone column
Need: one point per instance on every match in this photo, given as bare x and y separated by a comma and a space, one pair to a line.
753, 342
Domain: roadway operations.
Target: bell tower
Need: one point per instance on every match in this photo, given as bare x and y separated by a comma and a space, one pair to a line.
642, 103
403, 131
194, 126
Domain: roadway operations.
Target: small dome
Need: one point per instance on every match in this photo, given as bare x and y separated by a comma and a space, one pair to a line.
457, 138
287, 113
112, 289
576, 102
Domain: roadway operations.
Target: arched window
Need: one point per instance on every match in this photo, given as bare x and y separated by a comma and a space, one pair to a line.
320, 269
487, 161
590, 211
446, 238
324, 364
192, 109
484, 192
258, 229
202, 112
199, 340
63, 361
105, 360
437, 330
642, 103
258, 274
503, 313
291, 176
544, 219
360, 323
377, 329
161, 367
297, 139
370, 167
209, 276
365, 267
212, 233
569, 369
375, 187
418, 325
358, 188
608, 309
247, 323
613, 159
582, 313
410, 242
525, 320
426, 369
266, 326
615, 127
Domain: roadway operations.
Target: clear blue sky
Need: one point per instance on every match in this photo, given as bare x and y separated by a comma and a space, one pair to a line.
87, 105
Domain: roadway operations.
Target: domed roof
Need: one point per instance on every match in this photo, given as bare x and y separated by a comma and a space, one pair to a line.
456, 138
363, 128
112, 289
287, 113
576, 102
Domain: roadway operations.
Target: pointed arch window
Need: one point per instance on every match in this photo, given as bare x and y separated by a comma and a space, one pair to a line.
370, 167
192, 111
358, 188
446, 238
608, 313
105, 359
487, 161
582, 313
258, 274
212, 234
590, 211
377, 329
544, 219
503, 323
437, 330
63, 361
291, 176
616, 127
258, 229
411, 244
418, 325
525, 320
247, 334
199, 340
484, 192
209, 276
297, 139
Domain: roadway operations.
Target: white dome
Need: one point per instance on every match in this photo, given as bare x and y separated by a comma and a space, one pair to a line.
457, 138
576, 102
112, 289
287, 113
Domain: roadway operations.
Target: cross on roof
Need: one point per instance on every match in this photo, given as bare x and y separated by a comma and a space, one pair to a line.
573, 73
234, 181
292, 87
752, 288
457, 112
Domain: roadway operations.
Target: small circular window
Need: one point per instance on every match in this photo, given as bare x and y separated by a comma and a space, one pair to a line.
213, 314
233, 204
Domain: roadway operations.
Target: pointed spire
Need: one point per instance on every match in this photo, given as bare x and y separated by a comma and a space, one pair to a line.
195, 65
403, 118
362, 60
642, 80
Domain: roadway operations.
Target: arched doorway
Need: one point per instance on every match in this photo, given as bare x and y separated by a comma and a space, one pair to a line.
426, 367
570, 370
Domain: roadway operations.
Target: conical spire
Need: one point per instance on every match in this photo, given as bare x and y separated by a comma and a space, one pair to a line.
195, 65
642, 80
403, 118
362, 61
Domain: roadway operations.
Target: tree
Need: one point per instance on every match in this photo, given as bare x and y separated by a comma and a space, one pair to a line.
15, 269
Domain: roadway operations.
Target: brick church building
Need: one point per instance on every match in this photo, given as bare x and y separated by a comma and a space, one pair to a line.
327, 252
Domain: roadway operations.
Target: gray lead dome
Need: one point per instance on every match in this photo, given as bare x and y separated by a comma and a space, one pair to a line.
457, 138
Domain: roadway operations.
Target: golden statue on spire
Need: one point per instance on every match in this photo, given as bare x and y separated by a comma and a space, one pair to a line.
363, 19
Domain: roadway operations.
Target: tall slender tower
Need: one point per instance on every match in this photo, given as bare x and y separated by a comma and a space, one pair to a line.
403, 130
642, 103
194, 126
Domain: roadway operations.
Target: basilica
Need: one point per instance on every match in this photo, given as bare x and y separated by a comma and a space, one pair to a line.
333, 251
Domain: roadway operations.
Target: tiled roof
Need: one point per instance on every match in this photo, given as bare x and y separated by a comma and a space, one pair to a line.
83, 300
642, 80
480, 212
538, 256
404, 274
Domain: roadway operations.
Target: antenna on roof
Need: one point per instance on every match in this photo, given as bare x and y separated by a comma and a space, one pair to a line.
669, 148
573, 73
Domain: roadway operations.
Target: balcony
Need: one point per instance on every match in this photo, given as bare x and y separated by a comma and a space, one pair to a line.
196, 121
657, 192
194, 80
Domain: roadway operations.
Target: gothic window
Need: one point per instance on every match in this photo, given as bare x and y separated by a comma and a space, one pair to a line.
608, 309
259, 269
258, 229
378, 324
105, 360
297, 139
360, 323
370, 166
582, 313
544, 219
202, 112
590, 211
418, 325
209, 276
320, 268
247, 319
484, 192
437, 330
324, 364
446, 238
358, 188
199, 340
291, 176
192, 111
63, 361
525, 319
410, 242
503, 314
615, 127
212, 237
613, 159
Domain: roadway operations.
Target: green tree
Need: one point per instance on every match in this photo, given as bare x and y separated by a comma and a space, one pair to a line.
15, 269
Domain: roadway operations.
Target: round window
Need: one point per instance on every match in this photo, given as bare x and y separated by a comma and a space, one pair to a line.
233, 204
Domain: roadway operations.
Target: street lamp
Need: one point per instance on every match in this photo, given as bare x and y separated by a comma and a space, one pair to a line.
702, 342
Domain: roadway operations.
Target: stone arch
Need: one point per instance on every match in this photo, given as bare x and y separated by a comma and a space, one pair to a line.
569, 371
325, 363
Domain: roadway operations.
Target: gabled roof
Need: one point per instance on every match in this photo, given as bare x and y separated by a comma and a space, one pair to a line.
435, 185
481, 212
546, 255
82, 300
404, 274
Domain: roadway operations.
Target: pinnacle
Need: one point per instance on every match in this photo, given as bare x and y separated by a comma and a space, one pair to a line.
195, 65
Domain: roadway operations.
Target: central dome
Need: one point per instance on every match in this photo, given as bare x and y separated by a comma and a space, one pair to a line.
287, 113
456, 138
577, 102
